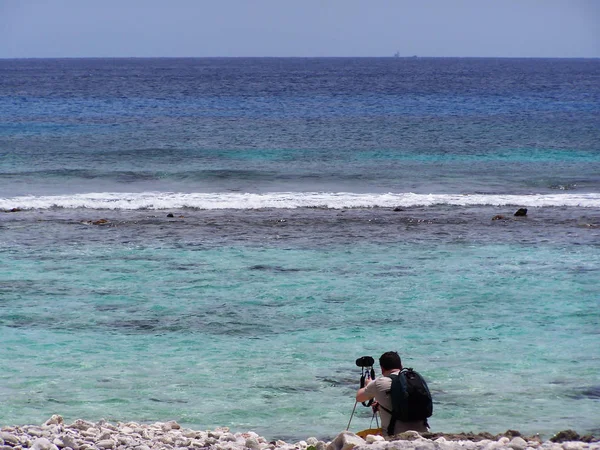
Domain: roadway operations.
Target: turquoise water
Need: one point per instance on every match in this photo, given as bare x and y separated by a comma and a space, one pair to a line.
264, 338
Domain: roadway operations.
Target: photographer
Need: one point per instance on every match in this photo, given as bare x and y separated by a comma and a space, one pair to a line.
380, 389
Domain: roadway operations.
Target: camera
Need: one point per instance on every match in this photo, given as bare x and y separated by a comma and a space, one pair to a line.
366, 365
365, 361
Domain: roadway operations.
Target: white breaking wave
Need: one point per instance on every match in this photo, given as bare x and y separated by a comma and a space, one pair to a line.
337, 200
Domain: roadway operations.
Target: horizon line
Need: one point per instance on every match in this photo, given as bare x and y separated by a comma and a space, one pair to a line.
298, 57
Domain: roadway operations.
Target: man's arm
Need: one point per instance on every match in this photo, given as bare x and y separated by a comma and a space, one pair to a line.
362, 395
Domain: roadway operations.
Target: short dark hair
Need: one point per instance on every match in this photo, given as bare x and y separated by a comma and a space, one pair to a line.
390, 361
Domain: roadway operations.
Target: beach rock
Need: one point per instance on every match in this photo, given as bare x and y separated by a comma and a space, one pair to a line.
521, 212
9, 439
81, 425
105, 443
565, 435
345, 441
372, 438
499, 217
170, 215
142, 447
252, 443
5, 447
42, 444
518, 443
69, 441
573, 445
54, 420
171, 425
406, 436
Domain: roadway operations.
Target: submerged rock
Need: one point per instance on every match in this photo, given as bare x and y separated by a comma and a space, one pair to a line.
521, 212
565, 435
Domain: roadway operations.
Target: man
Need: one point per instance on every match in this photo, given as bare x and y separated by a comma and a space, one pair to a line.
380, 388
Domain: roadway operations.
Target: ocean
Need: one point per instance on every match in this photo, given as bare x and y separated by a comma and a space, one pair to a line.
216, 240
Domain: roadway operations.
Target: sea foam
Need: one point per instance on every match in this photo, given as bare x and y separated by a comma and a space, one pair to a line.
289, 200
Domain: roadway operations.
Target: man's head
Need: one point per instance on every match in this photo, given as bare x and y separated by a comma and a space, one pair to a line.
390, 361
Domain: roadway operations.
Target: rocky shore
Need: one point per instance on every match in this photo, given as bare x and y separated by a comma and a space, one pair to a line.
54, 434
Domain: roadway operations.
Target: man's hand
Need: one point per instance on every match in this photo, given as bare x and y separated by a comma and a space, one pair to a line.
361, 396
375, 407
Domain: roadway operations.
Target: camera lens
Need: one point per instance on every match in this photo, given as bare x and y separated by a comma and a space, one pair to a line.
365, 361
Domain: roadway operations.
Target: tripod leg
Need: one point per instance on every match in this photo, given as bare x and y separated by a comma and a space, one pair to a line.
351, 415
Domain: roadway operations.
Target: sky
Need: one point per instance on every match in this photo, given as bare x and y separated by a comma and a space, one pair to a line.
300, 28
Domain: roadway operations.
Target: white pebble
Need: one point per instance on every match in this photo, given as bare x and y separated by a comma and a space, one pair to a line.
371, 438
54, 420
572, 445
41, 444
105, 443
252, 443
9, 438
518, 443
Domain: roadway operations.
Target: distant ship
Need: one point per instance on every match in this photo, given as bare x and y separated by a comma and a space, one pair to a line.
397, 55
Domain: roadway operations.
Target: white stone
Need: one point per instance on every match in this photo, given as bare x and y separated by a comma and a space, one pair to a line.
423, 445
9, 438
572, 445
518, 443
105, 443
69, 441
504, 440
312, 441
492, 445
41, 444
5, 447
81, 425
252, 443
371, 438
171, 425
468, 445
346, 441
166, 440
58, 442
34, 431
105, 435
54, 420
228, 437
142, 447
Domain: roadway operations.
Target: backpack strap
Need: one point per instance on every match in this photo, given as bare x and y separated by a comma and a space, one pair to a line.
393, 418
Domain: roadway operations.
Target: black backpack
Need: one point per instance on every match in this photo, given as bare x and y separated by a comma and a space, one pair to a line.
411, 399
